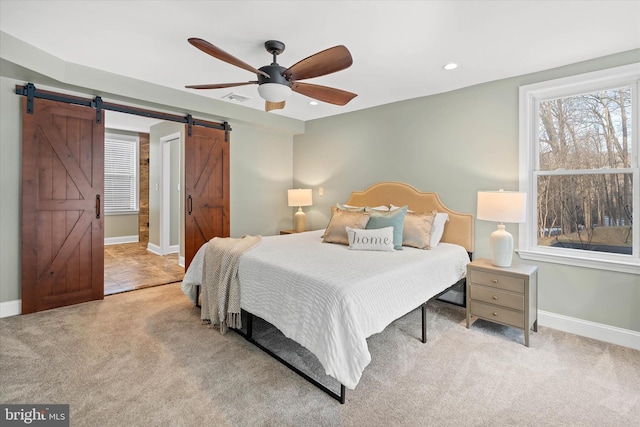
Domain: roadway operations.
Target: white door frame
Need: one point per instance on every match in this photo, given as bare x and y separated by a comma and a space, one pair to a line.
165, 198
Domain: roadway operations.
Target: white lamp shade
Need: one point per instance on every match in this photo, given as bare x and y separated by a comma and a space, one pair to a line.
502, 206
300, 197
274, 92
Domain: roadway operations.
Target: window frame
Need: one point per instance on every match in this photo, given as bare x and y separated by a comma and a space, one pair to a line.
530, 96
135, 141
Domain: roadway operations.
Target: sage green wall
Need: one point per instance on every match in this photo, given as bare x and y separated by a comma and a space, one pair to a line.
261, 143
456, 144
120, 226
10, 195
261, 174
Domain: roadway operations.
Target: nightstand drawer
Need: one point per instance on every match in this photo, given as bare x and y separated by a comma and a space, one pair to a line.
495, 296
498, 314
501, 281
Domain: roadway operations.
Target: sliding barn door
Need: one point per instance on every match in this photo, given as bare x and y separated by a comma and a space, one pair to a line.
62, 190
206, 188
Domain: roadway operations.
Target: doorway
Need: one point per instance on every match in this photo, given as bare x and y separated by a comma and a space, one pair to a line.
132, 262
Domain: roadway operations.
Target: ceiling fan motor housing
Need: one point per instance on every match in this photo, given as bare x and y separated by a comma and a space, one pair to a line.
275, 75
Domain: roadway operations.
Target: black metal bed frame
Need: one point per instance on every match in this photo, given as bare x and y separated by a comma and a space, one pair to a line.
341, 396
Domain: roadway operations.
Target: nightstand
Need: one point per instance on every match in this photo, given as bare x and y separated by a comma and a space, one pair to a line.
288, 232
505, 295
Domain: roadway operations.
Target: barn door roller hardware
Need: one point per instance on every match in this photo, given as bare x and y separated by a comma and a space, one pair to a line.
29, 90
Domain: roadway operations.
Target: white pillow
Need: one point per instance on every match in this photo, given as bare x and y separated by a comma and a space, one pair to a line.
438, 228
376, 239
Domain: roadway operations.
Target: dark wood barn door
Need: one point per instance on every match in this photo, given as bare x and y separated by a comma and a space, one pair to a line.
62, 219
206, 188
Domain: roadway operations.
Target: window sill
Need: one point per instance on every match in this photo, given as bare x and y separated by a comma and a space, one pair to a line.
121, 213
621, 265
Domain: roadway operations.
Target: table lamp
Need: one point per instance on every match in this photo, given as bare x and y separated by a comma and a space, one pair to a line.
502, 206
300, 197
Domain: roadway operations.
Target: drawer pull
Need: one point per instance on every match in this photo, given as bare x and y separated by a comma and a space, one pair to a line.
495, 280
495, 297
495, 314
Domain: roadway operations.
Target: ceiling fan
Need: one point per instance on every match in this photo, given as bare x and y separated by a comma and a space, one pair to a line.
275, 83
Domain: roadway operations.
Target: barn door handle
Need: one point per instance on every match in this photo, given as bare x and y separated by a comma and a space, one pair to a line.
97, 206
189, 204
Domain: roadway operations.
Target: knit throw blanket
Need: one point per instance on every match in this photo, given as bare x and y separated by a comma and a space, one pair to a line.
220, 283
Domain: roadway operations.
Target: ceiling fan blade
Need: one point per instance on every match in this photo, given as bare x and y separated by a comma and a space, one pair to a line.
268, 106
322, 63
323, 93
220, 85
220, 54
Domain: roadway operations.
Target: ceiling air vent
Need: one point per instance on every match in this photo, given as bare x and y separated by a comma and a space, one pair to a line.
235, 97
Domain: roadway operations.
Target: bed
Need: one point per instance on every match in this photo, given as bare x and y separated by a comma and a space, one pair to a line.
330, 298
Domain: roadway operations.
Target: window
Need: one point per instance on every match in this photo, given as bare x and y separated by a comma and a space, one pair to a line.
120, 174
579, 168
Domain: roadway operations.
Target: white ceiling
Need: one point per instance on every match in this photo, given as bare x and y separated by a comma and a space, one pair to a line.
398, 47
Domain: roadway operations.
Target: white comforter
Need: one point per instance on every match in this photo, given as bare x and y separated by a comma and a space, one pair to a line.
329, 298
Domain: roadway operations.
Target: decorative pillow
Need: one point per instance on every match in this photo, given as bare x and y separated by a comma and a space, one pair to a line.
417, 230
381, 208
385, 219
336, 232
438, 228
379, 239
350, 208
394, 207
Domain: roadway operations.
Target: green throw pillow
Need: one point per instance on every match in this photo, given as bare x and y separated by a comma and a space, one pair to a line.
385, 219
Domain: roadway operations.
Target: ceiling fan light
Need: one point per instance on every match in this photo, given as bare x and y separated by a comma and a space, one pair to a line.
274, 92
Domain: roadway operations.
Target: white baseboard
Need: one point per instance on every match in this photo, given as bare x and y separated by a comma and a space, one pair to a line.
181, 261
10, 308
158, 250
154, 248
120, 240
586, 328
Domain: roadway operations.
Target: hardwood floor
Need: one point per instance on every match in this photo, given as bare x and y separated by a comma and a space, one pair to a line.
130, 266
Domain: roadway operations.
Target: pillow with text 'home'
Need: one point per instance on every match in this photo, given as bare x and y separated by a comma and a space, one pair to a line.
377, 239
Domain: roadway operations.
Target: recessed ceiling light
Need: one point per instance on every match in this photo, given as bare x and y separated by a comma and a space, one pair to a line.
313, 102
450, 66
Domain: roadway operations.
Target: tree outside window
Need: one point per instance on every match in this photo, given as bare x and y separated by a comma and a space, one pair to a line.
582, 203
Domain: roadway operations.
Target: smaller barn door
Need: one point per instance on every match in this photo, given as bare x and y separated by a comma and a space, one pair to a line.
62, 190
206, 188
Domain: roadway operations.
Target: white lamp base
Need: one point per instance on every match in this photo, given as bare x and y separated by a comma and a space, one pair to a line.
501, 247
299, 221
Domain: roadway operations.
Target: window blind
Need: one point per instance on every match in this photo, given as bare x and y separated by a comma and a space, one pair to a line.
120, 173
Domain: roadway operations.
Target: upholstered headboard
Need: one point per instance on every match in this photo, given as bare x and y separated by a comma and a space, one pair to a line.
459, 229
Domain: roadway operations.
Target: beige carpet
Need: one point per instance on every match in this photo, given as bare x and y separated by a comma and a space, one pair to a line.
143, 358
